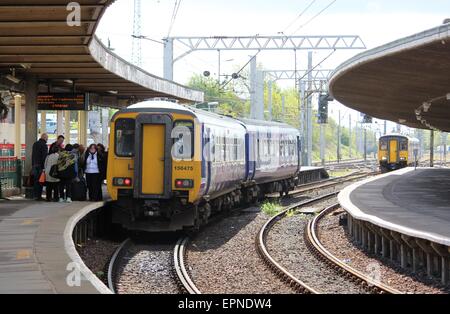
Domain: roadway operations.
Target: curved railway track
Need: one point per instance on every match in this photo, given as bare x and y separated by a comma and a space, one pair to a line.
180, 272
316, 248
177, 265
261, 246
180, 267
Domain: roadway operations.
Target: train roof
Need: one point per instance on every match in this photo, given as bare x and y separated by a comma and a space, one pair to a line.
400, 135
201, 114
265, 123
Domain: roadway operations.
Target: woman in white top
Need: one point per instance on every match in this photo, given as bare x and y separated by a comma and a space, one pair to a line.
93, 168
52, 188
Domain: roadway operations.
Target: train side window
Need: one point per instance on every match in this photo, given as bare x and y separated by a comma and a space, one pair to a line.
183, 140
224, 148
124, 137
383, 144
403, 145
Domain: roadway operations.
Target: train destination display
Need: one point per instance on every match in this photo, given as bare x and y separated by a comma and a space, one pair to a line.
62, 101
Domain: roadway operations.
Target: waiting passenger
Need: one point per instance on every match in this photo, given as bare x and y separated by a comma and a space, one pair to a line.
59, 143
102, 151
52, 184
38, 155
95, 170
67, 171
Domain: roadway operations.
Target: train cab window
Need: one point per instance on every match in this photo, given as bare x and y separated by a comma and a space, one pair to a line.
403, 145
383, 144
124, 136
183, 140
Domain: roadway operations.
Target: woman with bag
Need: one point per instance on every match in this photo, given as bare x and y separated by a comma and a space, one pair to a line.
67, 171
52, 183
94, 168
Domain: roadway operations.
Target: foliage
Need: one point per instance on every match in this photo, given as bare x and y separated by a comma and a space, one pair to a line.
271, 209
229, 103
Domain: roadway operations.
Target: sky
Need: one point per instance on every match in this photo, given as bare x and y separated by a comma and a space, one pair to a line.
377, 22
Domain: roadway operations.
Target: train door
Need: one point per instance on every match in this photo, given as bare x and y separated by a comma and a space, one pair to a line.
153, 156
393, 151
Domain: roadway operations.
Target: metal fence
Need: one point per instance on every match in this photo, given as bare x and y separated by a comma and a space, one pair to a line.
11, 173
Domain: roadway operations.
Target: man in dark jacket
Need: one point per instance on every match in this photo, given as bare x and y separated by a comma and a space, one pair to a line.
38, 155
59, 143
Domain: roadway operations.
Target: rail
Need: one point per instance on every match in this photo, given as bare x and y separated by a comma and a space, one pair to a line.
261, 246
180, 267
316, 247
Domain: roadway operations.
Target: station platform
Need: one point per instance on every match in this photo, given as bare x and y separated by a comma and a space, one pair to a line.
312, 174
412, 202
37, 253
405, 216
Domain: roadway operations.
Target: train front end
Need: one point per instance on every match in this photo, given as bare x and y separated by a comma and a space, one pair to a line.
393, 152
154, 167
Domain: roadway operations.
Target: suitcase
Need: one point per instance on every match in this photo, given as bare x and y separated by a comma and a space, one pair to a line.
79, 191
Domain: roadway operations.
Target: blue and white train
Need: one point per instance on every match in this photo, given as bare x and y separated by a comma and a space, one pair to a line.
171, 166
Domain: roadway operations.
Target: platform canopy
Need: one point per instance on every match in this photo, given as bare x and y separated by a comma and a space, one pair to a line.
36, 40
406, 81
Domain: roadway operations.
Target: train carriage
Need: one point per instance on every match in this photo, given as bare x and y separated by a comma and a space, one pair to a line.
397, 151
171, 166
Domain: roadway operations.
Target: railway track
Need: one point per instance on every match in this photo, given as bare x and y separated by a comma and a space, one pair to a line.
315, 246
261, 246
311, 239
180, 268
179, 275
329, 183
323, 184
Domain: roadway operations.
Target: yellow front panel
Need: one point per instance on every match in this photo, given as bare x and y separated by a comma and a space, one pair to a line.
404, 154
118, 167
189, 169
393, 151
153, 159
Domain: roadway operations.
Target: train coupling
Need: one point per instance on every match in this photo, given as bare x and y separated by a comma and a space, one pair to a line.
152, 209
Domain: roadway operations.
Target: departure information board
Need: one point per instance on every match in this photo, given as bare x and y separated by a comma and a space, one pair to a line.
63, 101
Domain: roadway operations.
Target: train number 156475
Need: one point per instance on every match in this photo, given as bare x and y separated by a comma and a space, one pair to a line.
184, 168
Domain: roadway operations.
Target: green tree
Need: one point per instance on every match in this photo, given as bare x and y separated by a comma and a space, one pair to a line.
229, 103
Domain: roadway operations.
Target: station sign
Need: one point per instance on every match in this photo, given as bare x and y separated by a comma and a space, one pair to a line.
63, 101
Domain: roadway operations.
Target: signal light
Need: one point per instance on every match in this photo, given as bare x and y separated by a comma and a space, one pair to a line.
122, 182
184, 184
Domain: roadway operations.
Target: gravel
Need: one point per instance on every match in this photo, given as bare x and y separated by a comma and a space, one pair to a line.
335, 238
222, 259
96, 254
287, 246
147, 269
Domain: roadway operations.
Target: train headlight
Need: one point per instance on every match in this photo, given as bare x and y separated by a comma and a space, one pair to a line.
126, 182
402, 158
184, 183
384, 158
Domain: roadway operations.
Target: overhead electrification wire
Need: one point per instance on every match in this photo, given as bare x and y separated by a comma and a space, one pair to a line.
315, 16
174, 16
241, 69
300, 15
